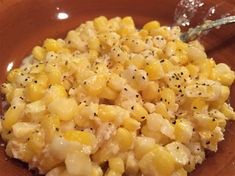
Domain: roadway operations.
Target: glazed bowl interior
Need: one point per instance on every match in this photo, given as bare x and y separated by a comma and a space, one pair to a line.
26, 23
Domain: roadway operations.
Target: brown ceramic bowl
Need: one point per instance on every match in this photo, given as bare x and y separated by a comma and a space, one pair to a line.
26, 23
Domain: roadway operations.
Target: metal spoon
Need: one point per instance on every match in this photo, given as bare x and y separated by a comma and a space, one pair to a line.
193, 33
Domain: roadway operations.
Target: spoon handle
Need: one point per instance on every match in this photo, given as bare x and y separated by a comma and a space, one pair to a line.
193, 33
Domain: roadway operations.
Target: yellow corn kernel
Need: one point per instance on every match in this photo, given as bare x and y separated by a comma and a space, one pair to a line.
154, 70
42, 79
83, 137
206, 67
39, 53
94, 44
111, 172
57, 170
6, 88
54, 74
101, 24
223, 97
55, 91
151, 25
193, 70
205, 122
198, 104
116, 82
131, 124
162, 109
127, 26
116, 164
137, 60
142, 146
157, 160
124, 139
65, 108
167, 66
96, 171
52, 45
107, 113
34, 91
93, 54
222, 73
78, 163
109, 94
51, 124
138, 112
168, 97
196, 55
17, 93
13, 114
22, 130
163, 161
36, 142
143, 33
11, 76
227, 110
150, 92
183, 130
127, 21
94, 85
161, 31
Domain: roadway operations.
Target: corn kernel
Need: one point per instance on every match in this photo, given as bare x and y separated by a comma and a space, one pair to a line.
183, 130
131, 124
95, 84
138, 112
82, 137
42, 79
78, 163
205, 122
154, 70
23, 129
13, 114
108, 93
137, 60
39, 53
36, 142
51, 124
52, 45
65, 108
34, 91
55, 91
198, 105
150, 92
124, 138
193, 69
112, 173
127, 21
12, 75
143, 145
151, 25
163, 161
94, 44
116, 164
101, 24
160, 160
54, 74
227, 110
